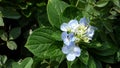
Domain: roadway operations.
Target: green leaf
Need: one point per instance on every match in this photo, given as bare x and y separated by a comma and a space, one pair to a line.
1, 32
68, 12
1, 20
55, 9
98, 64
11, 45
14, 33
3, 59
108, 26
15, 65
27, 13
91, 63
107, 59
9, 12
26, 63
4, 36
95, 44
116, 2
84, 57
118, 55
102, 3
40, 43
106, 49
57, 35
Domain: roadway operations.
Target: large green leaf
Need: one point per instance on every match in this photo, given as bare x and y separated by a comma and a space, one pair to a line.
41, 44
55, 9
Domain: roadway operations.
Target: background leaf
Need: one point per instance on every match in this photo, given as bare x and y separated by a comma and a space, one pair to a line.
14, 33
84, 57
55, 15
9, 12
26, 63
11, 45
102, 3
1, 20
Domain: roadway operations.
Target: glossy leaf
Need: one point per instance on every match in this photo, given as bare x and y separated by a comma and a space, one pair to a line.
55, 9
26, 63
40, 43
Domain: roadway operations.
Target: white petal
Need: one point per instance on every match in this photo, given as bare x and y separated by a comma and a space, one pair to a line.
71, 57
64, 27
64, 35
73, 24
77, 51
90, 32
65, 38
71, 37
83, 21
66, 41
65, 49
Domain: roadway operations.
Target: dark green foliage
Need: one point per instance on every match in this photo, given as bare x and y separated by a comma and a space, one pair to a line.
30, 35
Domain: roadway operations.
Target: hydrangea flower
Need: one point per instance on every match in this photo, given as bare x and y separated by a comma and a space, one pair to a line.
73, 33
72, 51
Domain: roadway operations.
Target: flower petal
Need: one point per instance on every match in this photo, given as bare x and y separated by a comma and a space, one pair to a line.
64, 27
71, 37
83, 21
70, 57
65, 49
90, 32
64, 35
73, 23
77, 51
